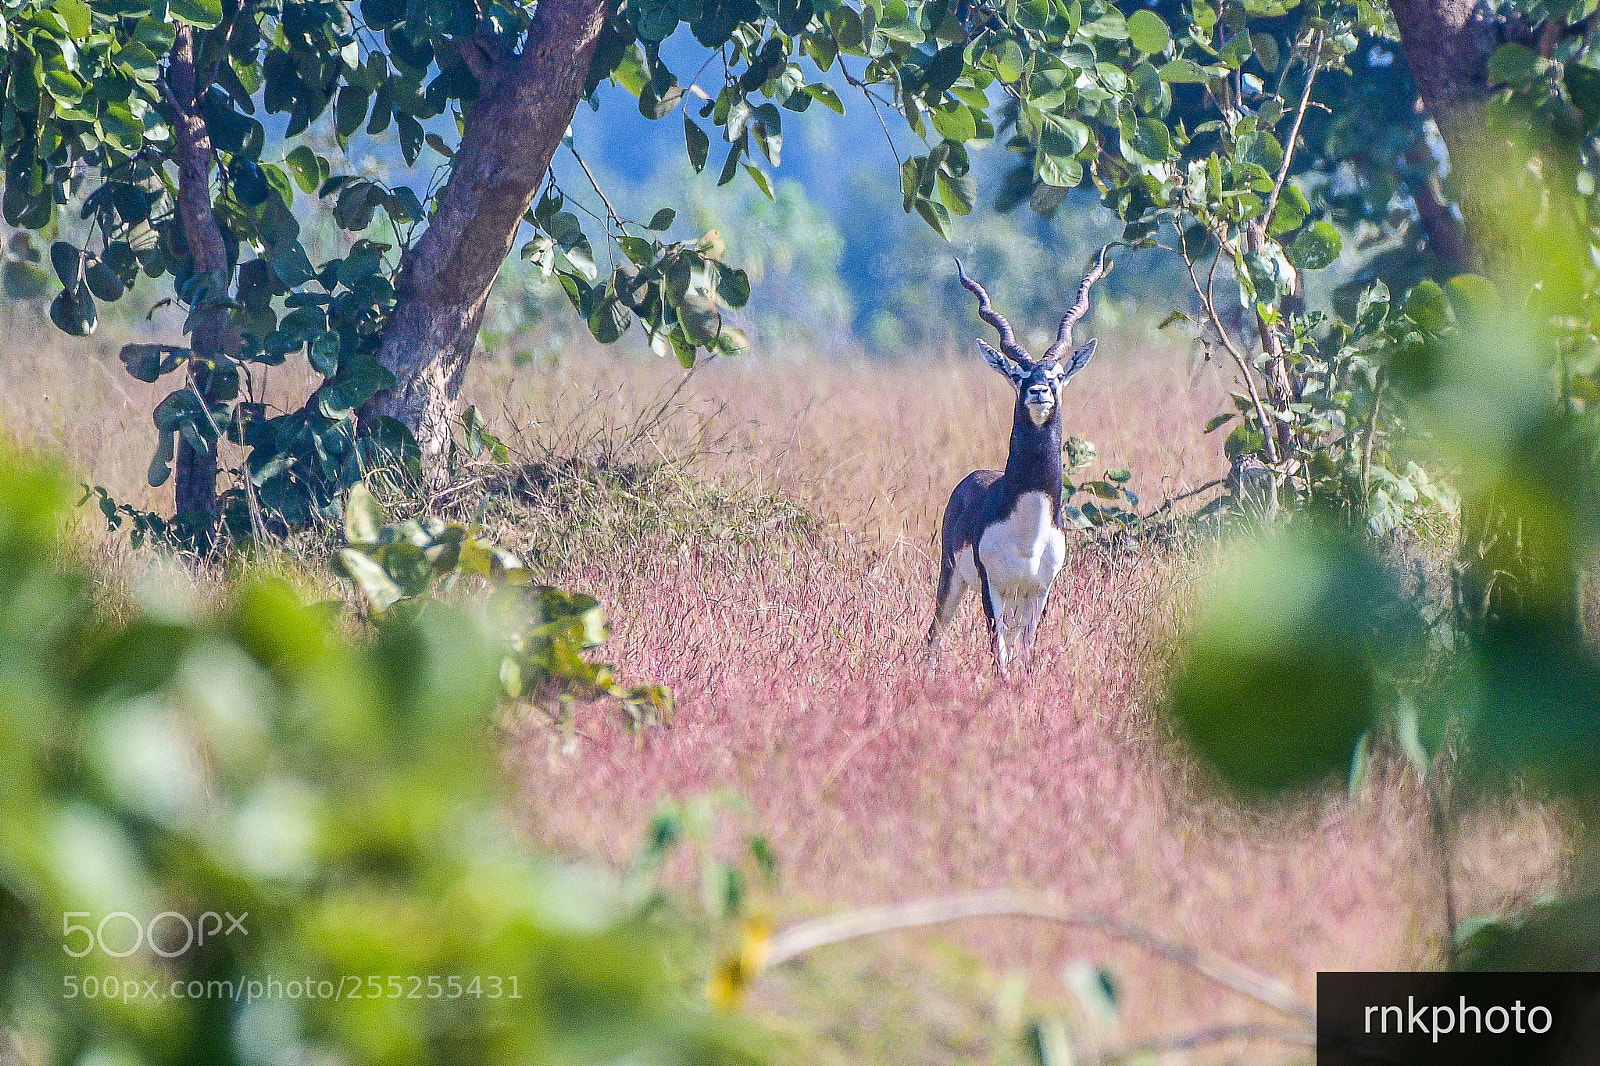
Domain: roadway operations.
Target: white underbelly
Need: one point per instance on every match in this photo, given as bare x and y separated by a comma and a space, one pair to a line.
1023, 553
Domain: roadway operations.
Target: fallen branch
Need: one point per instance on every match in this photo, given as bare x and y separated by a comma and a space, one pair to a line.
1180, 497
1216, 1034
807, 936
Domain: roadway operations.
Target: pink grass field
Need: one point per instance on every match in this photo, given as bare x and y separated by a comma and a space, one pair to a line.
796, 662
793, 650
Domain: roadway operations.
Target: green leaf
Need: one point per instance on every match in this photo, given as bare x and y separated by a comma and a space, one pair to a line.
73, 312
103, 282
943, 70
700, 319
1428, 307
1184, 72
291, 264
161, 462
1111, 26
1058, 173
1148, 32
75, 13
1064, 137
954, 122
363, 516
1316, 247
761, 180
1281, 671
608, 321
411, 138
324, 354
1146, 141
67, 261
374, 581
731, 342
202, 14
1261, 148
1008, 59
1473, 295
825, 95
249, 183
958, 193
147, 362
350, 109
698, 144
733, 286
661, 220
1266, 49
1515, 64
23, 281
1291, 211
1583, 85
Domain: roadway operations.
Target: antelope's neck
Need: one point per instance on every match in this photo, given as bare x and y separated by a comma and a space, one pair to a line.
1034, 464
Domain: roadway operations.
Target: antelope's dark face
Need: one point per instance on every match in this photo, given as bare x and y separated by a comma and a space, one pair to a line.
1038, 384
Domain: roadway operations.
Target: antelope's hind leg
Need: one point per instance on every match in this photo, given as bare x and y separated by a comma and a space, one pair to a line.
1036, 610
1030, 626
947, 599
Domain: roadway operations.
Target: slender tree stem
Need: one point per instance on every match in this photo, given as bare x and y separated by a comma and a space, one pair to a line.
1208, 300
1444, 846
611, 212
1294, 131
1366, 452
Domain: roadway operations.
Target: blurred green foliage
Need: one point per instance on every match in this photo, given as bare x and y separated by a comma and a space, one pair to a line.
544, 632
338, 797
1305, 653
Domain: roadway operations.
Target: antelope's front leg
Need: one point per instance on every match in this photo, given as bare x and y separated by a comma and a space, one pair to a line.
998, 630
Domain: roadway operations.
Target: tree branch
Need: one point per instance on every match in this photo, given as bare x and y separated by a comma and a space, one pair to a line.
484, 55
1217, 1034
1294, 131
1208, 301
195, 471
611, 212
807, 936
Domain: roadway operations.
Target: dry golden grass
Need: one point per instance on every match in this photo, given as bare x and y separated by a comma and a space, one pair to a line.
791, 644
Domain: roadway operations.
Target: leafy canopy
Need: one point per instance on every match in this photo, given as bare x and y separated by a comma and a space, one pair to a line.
1089, 95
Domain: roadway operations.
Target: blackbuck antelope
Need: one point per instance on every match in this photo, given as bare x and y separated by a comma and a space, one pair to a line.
1002, 531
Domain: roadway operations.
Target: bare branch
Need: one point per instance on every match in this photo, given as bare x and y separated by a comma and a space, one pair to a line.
616, 219
1294, 131
1218, 1034
807, 936
866, 91
1208, 301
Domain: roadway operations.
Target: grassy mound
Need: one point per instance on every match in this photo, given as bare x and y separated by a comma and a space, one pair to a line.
568, 516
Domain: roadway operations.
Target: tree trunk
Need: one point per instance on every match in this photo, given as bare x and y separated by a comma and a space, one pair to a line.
512, 132
1447, 44
195, 471
1446, 238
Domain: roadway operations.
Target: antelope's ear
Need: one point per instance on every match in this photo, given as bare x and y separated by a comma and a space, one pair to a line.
1002, 363
1079, 360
